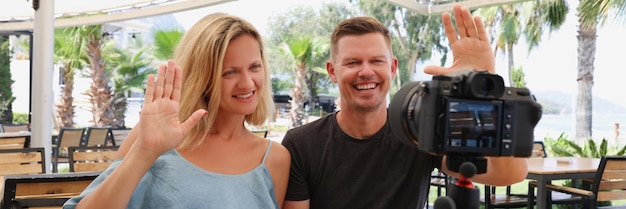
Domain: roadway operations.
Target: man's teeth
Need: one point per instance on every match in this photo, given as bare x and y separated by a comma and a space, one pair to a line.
243, 96
365, 86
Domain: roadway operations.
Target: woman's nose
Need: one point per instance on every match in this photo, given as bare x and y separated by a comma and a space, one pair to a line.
246, 81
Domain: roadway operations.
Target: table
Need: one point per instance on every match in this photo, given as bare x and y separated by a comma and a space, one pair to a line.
43, 189
7, 135
14, 134
544, 170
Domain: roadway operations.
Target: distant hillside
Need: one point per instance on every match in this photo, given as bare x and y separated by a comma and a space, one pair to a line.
555, 102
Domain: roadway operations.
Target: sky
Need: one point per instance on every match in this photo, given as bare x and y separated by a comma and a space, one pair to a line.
551, 66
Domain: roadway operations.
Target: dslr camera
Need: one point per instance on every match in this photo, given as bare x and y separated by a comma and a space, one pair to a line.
470, 113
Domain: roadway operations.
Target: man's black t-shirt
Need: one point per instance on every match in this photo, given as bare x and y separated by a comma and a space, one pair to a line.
334, 170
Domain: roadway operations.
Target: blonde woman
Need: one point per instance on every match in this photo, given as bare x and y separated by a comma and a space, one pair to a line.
191, 148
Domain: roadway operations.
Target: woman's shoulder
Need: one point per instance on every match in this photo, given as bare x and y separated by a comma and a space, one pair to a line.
278, 155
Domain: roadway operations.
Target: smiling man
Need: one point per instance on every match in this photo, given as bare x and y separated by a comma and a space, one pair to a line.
351, 159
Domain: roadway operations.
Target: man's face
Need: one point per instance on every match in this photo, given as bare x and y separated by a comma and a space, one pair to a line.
363, 68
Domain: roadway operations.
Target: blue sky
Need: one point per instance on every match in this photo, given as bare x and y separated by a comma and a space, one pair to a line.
551, 66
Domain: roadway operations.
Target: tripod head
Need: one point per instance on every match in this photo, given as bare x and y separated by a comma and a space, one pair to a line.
463, 194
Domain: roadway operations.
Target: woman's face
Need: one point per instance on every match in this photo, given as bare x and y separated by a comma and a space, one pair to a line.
243, 76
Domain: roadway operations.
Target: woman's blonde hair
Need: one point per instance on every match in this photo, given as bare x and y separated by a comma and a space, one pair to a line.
200, 54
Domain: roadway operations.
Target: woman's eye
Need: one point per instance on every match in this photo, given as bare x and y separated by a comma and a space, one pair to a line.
256, 67
227, 73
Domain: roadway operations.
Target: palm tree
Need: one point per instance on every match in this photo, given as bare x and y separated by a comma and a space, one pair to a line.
591, 14
165, 42
69, 52
508, 22
132, 67
302, 50
100, 93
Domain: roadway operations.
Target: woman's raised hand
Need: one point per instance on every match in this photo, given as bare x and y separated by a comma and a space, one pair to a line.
160, 128
471, 49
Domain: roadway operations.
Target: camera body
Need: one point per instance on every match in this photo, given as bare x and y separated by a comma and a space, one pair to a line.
469, 113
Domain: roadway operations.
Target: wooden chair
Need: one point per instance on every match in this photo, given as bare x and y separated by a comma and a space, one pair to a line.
22, 161
439, 179
68, 137
14, 142
99, 136
119, 134
43, 190
609, 184
261, 133
8, 128
91, 159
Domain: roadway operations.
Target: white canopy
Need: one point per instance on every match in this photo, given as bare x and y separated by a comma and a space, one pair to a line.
19, 15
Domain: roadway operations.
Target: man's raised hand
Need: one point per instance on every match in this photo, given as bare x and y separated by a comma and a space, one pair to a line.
470, 46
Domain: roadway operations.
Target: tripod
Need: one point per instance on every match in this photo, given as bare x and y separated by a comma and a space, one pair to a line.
463, 194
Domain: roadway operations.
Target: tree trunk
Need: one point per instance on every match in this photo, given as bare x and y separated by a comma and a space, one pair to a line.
310, 83
120, 105
297, 97
100, 94
586, 57
65, 109
509, 52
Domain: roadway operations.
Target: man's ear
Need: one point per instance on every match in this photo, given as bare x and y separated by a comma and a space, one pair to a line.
394, 66
331, 71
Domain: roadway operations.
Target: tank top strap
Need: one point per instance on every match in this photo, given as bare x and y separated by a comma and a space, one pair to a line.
267, 152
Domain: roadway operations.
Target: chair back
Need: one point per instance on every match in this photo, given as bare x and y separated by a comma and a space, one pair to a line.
13, 142
538, 150
8, 128
120, 134
261, 133
91, 159
22, 161
99, 136
70, 137
610, 180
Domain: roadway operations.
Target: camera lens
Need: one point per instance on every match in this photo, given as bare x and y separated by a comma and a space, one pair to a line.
404, 113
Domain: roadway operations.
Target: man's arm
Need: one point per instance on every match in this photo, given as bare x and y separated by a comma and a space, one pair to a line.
501, 171
471, 50
304, 204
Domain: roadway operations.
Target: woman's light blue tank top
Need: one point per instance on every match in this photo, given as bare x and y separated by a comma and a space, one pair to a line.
174, 182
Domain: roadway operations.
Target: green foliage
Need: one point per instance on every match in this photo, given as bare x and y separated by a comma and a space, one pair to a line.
279, 85
165, 42
20, 118
6, 94
563, 147
517, 75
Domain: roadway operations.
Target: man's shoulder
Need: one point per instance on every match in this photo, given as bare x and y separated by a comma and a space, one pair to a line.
312, 127
310, 130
